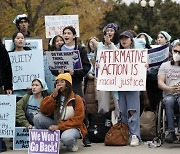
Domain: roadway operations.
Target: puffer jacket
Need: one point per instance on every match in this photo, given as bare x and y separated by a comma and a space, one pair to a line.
73, 113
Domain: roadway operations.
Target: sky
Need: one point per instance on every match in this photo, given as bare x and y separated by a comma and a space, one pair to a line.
137, 1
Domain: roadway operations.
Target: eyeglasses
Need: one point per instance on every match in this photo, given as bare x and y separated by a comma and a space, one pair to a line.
176, 51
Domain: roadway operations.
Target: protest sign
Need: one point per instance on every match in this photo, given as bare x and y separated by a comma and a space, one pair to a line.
54, 25
21, 139
26, 66
60, 60
64, 60
7, 115
32, 43
158, 55
122, 70
44, 141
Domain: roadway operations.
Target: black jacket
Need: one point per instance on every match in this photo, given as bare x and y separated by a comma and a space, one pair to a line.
5, 69
79, 74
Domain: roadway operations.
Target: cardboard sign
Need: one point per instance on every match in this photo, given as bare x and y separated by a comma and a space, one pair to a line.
21, 139
32, 43
157, 56
54, 25
26, 66
44, 141
7, 115
60, 60
122, 70
64, 60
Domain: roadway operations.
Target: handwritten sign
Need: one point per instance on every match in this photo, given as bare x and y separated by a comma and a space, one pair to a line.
7, 115
44, 141
54, 25
32, 43
60, 60
26, 66
158, 55
122, 70
64, 60
21, 139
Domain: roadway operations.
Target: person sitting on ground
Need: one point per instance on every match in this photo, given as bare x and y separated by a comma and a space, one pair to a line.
68, 111
29, 105
169, 82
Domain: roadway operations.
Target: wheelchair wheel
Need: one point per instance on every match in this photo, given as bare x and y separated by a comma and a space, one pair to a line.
161, 122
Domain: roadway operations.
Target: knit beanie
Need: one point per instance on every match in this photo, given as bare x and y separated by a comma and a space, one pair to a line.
65, 76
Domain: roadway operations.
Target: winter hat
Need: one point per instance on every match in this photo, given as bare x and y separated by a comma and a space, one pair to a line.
166, 35
44, 85
19, 17
111, 25
148, 37
174, 42
127, 34
65, 76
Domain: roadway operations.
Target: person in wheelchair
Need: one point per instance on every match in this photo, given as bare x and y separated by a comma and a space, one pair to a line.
169, 82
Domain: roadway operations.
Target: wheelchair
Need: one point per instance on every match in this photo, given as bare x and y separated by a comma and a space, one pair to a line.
162, 123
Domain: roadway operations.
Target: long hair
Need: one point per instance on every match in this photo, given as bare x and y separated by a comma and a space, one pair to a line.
68, 90
53, 46
72, 29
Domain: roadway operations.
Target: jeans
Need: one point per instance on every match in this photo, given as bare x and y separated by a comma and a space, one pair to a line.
68, 137
130, 101
171, 102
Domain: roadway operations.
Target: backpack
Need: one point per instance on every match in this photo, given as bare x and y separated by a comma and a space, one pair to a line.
148, 125
99, 125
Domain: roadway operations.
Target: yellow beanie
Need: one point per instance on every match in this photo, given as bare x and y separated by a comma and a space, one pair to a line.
65, 76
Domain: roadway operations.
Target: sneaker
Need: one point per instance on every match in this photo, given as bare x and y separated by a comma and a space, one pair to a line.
171, 137
86, 141
134, 141
74, 148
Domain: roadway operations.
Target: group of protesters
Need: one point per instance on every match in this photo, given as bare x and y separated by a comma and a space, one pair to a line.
64, 108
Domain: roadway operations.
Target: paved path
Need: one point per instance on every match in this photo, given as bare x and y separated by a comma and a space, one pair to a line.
100, 148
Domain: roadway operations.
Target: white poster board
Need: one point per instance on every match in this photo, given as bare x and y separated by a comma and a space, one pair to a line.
122, 70
32, 43
54, 25
60, 60
7, 115
26, 66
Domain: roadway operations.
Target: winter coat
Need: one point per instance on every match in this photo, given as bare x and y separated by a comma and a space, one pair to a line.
72, 115
5, 69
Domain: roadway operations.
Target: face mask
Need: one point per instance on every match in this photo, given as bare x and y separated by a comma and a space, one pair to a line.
176, 57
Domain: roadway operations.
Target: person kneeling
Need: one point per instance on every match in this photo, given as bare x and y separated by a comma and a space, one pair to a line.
63, 110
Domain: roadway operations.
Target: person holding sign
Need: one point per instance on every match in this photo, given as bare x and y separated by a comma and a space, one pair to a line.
129, 101
67, 109
29, 105
22, 23
169, 82
110, 41
69, 35
18, 39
